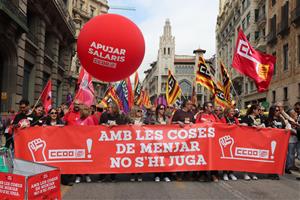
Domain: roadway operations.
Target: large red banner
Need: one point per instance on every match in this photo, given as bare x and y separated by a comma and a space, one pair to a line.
155, 148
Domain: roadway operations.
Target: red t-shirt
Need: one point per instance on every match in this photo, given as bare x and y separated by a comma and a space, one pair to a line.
207, 118
71, 118
86, 122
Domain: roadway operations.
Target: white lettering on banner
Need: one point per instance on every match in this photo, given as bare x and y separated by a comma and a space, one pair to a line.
125, 148
66, 153
192, 133
149, 135
10, 188
118, 162
119, 135
187, 160
241, 153
191, 146
252, 153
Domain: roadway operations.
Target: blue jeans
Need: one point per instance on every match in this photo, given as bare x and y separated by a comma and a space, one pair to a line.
290, 160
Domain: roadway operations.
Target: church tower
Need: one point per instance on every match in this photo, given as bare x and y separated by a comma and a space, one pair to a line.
166, 55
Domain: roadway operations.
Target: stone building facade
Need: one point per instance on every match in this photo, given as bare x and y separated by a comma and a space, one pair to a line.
82, 11
283, 40
36, 44
251, 17
183, 67
274, 29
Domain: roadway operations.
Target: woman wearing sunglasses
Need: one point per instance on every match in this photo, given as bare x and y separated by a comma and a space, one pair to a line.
161, 118
275, 121
53, 118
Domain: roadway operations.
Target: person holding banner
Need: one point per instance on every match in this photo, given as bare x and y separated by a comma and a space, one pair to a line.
84, 120
53, 118
183, 117
162, 119
37, 117
252, 119
229, 119
111, 118
85, 117
136, 118
72, 116
208, 116
274, 120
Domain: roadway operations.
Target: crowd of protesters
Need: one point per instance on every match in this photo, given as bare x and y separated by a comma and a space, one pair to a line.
78, 114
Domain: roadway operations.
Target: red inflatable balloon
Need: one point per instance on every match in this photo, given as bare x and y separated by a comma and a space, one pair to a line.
110, 47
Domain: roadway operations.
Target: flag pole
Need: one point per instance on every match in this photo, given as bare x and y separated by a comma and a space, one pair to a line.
236, 94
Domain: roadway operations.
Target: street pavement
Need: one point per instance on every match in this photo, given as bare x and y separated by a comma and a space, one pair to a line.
285, 188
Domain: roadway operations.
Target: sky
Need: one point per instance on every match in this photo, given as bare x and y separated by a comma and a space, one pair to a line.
193, 24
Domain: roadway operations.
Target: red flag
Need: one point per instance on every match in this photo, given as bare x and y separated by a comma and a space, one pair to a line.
85, 93
46, 96
252, 63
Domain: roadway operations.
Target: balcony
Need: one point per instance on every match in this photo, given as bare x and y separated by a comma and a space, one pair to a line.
12, 11
82, 12
283, 28
295, 15
30, 36
271, 37
261, 44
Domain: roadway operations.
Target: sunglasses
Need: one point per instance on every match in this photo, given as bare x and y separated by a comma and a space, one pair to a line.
277, 110
53, 113
139, 111
161, 108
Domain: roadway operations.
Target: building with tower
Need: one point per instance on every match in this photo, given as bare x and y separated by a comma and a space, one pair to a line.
183, 67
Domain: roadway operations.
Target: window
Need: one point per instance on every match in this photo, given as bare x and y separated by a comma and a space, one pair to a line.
273, 2
285, 56
274, 72
246, 88
298, 49
273, 96
163, 87
285, 93
248, 19
256, 35
256, 13
164, 51
81, 6
251, 86
186, 87
28, 70
243, 24
169, 51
